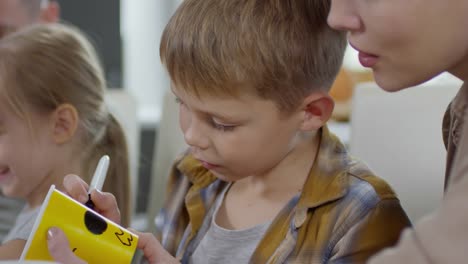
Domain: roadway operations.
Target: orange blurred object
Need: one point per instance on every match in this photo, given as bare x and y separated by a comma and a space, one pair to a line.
342, 88
342, 92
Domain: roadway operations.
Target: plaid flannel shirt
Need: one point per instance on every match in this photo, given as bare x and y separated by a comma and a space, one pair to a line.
344, 214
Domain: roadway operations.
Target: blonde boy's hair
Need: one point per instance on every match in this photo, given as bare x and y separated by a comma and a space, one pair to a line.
45, 66
281, 50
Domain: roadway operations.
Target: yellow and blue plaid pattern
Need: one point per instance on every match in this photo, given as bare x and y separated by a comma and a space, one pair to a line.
344, 214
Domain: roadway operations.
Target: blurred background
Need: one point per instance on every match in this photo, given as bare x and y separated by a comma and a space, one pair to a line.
398, 135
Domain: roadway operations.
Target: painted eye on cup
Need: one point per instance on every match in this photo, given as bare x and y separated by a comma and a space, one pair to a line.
94, 223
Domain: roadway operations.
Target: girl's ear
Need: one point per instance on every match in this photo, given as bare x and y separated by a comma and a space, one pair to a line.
65, 121
317, 109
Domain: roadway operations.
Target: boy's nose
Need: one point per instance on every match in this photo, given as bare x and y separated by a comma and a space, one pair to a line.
343, 16
195, 137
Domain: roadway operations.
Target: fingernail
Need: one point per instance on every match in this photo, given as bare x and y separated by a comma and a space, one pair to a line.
51, 233
83, 198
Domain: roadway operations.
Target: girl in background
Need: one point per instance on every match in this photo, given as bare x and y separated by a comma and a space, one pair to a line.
53, 122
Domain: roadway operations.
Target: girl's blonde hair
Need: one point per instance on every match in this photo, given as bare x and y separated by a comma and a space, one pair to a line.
44, 66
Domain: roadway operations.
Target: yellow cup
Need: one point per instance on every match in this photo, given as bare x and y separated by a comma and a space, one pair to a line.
92, 237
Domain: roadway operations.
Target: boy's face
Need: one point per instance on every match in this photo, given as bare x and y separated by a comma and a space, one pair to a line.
236, 137
405, 42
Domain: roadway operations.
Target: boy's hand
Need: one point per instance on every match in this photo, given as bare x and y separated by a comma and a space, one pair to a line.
153, 250
59, 247
105, 203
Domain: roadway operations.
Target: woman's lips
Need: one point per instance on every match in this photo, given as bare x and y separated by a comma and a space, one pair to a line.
367, 60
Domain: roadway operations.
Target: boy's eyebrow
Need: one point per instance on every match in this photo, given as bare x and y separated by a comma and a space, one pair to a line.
221, 117
215, 115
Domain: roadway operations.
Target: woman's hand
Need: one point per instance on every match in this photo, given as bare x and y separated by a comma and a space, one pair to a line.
105, 203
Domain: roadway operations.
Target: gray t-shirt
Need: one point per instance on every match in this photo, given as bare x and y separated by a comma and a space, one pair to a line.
220, 245
9, 210
24, 224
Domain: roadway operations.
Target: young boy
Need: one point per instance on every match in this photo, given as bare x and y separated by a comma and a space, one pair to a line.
264, 180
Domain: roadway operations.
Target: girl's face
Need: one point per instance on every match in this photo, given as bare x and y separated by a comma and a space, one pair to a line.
406, 42
27, 155
13, 15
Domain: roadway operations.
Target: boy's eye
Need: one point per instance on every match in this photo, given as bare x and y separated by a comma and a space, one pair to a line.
221, 127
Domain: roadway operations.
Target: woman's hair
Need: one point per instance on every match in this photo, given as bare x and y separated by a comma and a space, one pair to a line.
281, 50
45, 66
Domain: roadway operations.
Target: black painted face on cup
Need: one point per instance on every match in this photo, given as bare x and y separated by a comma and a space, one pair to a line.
94, 223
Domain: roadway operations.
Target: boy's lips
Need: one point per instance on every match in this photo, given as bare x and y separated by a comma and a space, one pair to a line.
208, 165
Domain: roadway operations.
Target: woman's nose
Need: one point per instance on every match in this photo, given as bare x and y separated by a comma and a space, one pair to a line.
343, 16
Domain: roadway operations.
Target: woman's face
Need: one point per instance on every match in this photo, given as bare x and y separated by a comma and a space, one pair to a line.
406, 42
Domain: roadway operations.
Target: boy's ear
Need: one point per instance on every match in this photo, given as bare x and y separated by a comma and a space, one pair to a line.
65, 121
317, 109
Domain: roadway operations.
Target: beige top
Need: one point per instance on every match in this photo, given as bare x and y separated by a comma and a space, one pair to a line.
442, 237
